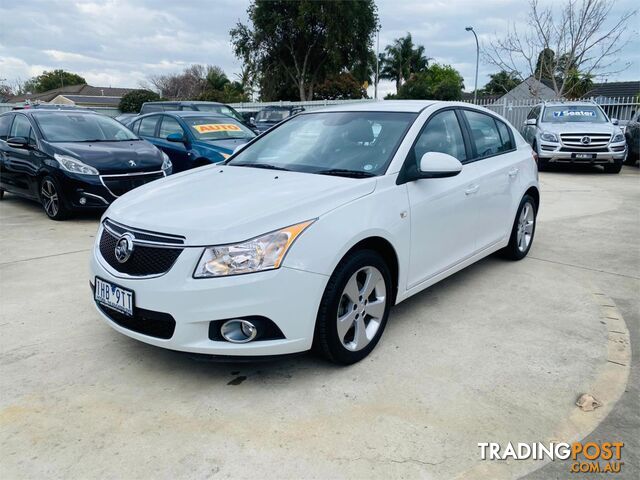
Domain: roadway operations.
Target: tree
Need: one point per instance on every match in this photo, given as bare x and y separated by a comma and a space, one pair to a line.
501, 83
53, 79
401, 59
132, 102
301, 44
188, 85
438, 82
341, 87
579, 35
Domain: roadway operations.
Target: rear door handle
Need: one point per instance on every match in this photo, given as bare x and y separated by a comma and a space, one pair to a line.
514, 172
472, 189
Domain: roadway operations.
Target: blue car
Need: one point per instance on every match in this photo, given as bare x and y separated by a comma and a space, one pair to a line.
192, 139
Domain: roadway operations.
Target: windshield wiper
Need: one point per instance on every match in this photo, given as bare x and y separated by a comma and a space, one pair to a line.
342, 172
259, 165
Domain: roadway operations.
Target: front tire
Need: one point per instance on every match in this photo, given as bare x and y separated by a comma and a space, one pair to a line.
52, 201
523, 230
354, 308
613, 168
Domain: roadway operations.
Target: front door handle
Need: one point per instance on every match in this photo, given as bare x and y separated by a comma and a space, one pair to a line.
514, 172
472, 189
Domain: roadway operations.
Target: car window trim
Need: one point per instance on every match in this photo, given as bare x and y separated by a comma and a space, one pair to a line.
402, 174
495, 118
164, 116
26, 117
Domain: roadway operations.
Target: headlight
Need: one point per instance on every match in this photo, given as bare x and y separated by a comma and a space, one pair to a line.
261, 253
166, 163
618, 137
548, 137
74, 165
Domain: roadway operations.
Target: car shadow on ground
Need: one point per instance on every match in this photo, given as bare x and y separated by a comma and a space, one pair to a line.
280, 370
26, 206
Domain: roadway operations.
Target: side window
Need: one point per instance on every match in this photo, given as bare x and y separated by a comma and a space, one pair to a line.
134, 126
168, 126
5, 124
22, 128
533, 113
151, 108
505, 137
484, 134
148, 126
442, 134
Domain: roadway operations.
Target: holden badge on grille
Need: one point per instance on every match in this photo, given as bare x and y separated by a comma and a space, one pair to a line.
124, 247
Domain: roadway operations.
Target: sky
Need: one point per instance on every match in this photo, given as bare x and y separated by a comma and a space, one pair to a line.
120, 43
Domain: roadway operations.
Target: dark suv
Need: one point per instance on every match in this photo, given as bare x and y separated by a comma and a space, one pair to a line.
71, 160
194, 106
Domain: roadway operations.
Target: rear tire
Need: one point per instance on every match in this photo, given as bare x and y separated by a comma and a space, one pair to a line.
614, 168
53, 203
523, 230
354, 308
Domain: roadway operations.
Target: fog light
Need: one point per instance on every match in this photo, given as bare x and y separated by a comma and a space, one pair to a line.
83, 201
238, 331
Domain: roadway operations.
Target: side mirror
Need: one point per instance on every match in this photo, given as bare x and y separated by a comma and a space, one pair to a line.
531, 121
252, 120
615, 121
439, 165
18, 142
175, 137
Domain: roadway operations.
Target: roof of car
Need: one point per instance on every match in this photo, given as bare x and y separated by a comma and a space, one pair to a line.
53, 111
182, 102
557, 103
189, 113
382, 106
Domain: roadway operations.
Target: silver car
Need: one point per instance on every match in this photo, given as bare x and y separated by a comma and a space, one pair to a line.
576, 133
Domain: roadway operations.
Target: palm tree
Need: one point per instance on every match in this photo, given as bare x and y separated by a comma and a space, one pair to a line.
401, 59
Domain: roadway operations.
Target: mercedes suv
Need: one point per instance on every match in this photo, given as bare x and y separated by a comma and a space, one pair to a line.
576, 133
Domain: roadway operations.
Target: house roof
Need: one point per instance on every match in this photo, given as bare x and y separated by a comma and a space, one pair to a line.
94, 100
87, 90
615, 89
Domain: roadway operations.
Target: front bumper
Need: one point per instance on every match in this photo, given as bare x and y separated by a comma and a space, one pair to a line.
290, 298
553, 153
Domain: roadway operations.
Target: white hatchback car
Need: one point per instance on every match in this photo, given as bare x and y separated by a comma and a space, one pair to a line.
310, 233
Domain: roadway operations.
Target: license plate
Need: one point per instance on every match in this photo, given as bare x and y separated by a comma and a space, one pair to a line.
585, 156
114, 297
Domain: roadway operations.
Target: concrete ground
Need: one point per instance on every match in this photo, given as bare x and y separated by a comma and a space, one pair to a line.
498, 352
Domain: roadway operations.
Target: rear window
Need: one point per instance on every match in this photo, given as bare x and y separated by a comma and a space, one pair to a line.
484, 134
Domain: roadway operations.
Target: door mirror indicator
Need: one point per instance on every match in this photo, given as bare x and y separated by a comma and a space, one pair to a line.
176, 137
531, 121
18, 142
439, 165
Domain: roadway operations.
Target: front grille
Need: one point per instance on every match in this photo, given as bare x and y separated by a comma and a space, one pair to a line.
120, 184
576, 140
144, 235
585, 150
154, 324
144, 260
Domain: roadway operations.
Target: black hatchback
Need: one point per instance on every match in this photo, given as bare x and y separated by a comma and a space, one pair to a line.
73, 160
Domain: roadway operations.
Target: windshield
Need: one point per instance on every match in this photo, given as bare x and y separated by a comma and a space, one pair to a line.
217, 128
574, 114
81, 127
223, 109
342, 143
271, 115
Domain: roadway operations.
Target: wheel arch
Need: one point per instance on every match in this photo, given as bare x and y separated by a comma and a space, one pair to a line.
535, 193
386, 250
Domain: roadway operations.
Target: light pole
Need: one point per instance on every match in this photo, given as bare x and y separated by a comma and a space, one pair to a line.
475, 90
375, 88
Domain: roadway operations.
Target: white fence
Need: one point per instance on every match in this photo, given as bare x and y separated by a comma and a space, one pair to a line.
516, 111
621, 108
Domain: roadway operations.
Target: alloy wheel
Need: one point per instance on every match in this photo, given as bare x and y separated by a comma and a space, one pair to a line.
525, 227
50, 199
361, 308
